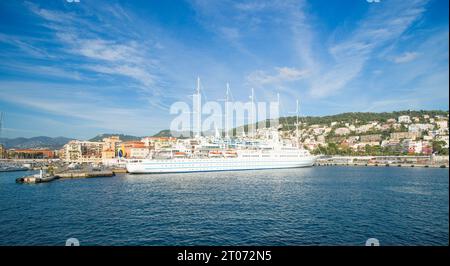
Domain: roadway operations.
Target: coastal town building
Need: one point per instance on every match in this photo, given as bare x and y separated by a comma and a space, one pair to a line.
391, 121
31, 154
110, 147
83, 151
420, 127
136, 149
404, 119
156, 143
138, 153
2, 152
371, 138
443, 124
404, 135
108, 154
364, 128
342, 131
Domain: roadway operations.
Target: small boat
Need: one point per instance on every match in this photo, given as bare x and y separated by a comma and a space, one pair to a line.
38, 178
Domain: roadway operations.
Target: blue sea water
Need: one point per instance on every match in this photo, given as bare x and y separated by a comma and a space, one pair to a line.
305, 206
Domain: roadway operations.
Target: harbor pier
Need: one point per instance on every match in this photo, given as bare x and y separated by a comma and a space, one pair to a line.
387, 161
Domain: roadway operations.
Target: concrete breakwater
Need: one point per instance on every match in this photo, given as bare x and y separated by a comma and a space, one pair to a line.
34, 179
83, 174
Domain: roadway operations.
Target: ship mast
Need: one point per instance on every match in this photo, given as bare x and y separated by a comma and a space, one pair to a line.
278, 126
296, 125
1, 123
227, 136
251, 133
198, 109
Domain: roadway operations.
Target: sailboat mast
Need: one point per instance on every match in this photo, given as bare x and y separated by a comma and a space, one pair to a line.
296, 125
198, 109
252, 114
226, 112
1, 123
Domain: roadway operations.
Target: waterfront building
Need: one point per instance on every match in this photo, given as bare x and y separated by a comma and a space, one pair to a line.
158, 143
108, 154
110, 147
137, 149
111, 143
83, 151
138, 153
31, 154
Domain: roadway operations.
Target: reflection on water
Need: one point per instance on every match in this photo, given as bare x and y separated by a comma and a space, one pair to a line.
305, 206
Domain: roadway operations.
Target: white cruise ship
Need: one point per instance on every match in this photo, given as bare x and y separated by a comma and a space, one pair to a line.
219, 157
246, 161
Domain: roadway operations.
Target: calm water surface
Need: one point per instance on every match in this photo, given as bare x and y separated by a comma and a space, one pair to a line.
306, 206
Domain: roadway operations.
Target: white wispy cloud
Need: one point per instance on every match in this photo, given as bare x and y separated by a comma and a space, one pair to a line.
109, 54
25, 46
282, 74
384, 23
405, 57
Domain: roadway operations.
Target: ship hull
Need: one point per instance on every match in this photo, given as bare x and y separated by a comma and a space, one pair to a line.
214, 165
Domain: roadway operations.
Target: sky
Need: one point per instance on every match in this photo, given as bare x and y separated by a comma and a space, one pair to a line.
78, 69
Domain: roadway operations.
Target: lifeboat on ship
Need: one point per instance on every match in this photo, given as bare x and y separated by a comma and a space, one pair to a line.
230, 153
179, 154
215, 154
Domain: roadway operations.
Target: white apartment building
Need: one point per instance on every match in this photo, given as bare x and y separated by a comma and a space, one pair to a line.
404, 119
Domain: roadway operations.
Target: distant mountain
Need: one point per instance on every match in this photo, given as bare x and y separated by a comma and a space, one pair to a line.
121, 136
167, 133
35, 142
163, 133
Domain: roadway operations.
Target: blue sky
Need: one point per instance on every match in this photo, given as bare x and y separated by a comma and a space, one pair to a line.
81, 69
